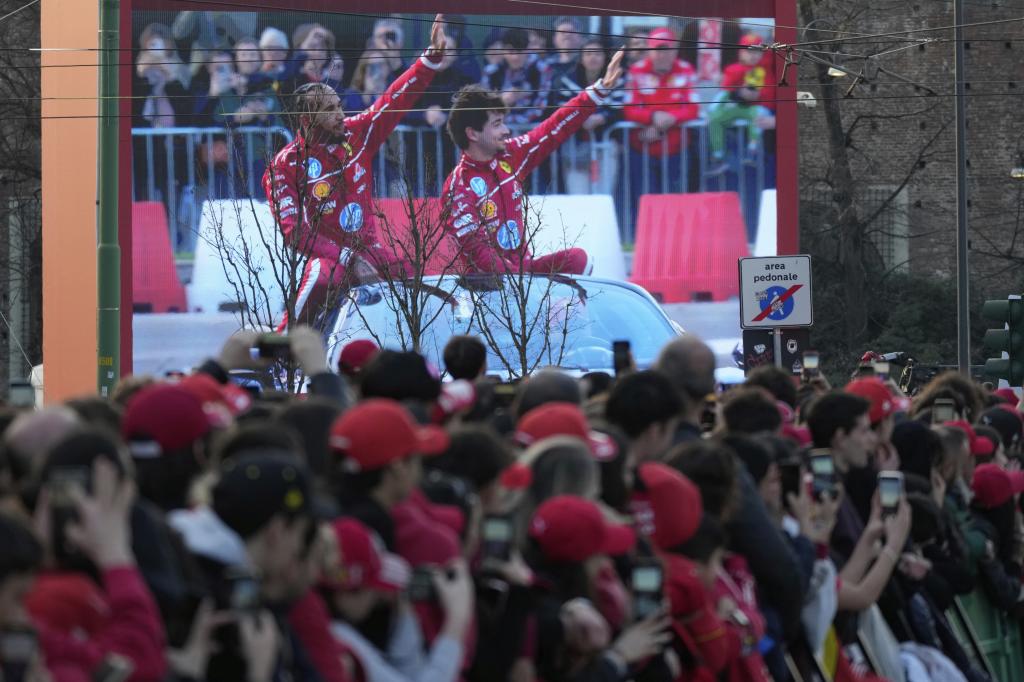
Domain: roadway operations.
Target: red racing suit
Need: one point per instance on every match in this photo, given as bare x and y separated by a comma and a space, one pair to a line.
321, 194
484, 200
648, 91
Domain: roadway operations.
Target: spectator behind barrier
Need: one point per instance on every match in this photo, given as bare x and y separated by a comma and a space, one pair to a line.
517, 80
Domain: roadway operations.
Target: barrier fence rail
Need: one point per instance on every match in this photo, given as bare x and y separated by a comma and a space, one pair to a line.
182, 167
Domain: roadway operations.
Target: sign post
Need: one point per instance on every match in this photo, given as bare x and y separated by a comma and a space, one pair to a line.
775, 295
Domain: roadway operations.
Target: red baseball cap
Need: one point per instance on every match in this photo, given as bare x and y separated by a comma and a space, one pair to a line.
216, 396
571, 529
563, 419
994, 486
365, 564
163, 418
356, 354
667, 507
882, 402
1008, 395
379, 431
750, 40
516, 476
980, 447
660, 37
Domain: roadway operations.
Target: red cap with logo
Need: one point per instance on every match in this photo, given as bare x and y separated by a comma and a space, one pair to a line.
980, 447
563, 419
571, 529
379, 431
661, 37
994, 486
667, 505
750, 40
216, 396
882, 402
365, 564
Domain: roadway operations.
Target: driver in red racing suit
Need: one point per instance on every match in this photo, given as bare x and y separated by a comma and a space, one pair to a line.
320, 185
483, 194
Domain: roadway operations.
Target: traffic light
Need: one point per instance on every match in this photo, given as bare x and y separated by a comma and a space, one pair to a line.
1009, 339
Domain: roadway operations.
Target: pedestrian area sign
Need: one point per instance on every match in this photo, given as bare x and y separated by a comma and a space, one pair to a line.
775, 292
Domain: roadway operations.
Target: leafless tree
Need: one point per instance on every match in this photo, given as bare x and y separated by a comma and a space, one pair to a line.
847, 229
20, 192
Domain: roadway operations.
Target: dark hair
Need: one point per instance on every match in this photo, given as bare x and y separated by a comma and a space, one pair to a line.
312, 419
926, 522
595, 383
475, 453
23, 553
755, 455
465, 357
254, 437
399, 375
614, 491
516, 38
750, 410
97, 411
776, 381
711, 465
833, 411
639, 400
709, 537
546, 386
919, 448
471, 107
82, 447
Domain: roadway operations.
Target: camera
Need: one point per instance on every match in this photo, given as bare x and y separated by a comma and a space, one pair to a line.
239, 591
622, 357
273, 347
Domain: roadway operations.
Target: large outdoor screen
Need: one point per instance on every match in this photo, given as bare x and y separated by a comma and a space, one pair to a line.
685, 165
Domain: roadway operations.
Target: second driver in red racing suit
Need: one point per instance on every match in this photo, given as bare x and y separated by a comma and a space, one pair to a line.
320, 185
484, 193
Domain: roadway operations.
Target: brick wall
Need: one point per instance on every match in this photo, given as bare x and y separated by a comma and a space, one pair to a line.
893, 122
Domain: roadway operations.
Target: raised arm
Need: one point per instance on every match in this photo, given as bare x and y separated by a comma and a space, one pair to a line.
536, 145
369, 129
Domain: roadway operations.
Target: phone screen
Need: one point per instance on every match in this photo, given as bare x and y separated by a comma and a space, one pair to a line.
882, 369
497, 530
647, 579
823, 469
943, 411
811, 360
890, 490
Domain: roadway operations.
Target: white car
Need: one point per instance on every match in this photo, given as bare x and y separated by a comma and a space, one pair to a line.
527, 322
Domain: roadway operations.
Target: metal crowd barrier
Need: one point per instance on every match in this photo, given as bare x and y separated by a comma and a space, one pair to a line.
176, 175
418, 159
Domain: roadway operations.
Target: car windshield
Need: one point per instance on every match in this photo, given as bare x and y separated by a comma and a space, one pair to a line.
525, 323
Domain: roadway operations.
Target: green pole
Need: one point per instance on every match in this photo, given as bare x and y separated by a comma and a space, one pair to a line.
108, 252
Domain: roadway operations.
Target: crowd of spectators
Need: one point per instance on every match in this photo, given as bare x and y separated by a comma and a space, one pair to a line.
389, 524
231, 78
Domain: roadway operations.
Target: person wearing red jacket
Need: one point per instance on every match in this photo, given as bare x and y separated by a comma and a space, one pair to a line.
483, 195
320, 185
667, 507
